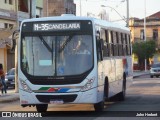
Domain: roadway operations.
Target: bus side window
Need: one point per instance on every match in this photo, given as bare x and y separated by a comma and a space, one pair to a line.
99, 57
128, 45
107, 42
117, 44
104, 37
120, 44
111, 44
115, 53
124, 44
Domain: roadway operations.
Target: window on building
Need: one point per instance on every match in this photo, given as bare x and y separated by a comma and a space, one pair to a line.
155, 34
5, 1
23, 5
10, 2
38, 12
142, 34
66, 10
10, 26
5, 25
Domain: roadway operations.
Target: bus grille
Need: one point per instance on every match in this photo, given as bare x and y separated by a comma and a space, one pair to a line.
48, 98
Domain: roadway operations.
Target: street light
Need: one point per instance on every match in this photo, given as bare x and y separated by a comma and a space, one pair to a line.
127, 11
116, 12
145, 61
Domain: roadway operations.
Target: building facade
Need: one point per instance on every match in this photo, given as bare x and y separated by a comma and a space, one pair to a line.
58, 7
136, 26
152, 28
8, 18
12, 13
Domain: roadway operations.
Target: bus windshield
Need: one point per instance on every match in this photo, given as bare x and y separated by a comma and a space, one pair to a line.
56, 55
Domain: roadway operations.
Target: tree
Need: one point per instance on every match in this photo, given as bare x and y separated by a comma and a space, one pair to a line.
144, 50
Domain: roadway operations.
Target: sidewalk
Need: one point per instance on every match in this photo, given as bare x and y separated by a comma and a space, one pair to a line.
140, 73
11, 97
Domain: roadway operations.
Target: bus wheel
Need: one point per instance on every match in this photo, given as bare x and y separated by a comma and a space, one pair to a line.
123, 93
99, 106
106, 89
41, 107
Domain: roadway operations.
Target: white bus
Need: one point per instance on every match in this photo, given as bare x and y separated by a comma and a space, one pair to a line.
70, 59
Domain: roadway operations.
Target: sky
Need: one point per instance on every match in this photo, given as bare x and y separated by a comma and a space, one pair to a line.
136, 8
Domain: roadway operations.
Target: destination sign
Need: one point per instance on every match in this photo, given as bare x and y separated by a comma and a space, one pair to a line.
56, 26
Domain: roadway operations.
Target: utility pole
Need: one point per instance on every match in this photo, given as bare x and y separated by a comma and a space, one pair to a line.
80, 5
32, 8
16, 49
145, 61
127, 2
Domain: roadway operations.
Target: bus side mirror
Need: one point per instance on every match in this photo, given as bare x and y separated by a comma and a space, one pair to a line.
101, 46
15, 35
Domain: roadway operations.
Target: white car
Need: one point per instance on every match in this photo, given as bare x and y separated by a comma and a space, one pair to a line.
155, 70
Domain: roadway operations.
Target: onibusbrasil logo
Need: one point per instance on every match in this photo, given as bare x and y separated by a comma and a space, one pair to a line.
20, 114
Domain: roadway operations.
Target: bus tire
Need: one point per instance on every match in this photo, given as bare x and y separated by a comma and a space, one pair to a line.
41, 107
106, 89
123, 93
99, 106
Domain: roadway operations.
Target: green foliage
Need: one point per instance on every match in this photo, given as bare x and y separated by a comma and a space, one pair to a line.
144, 49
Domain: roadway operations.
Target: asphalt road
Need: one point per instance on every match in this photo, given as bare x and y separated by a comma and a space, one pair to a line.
143, 96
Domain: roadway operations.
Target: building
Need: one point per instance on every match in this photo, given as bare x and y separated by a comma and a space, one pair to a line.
12, 13
136, 26
58, 7
29, 9
8, 19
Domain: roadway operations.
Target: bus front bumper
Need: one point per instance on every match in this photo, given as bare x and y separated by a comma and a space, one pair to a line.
89, 96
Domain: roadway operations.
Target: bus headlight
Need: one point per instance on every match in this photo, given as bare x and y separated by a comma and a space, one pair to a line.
88, 85
25, 86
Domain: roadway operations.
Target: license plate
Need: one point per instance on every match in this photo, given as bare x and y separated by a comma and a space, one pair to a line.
12, 83
56, 101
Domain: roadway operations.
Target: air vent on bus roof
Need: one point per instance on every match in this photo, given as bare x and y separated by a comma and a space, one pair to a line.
67, 15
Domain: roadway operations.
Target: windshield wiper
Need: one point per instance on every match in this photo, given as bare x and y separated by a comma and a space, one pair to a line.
44, 42
65, 43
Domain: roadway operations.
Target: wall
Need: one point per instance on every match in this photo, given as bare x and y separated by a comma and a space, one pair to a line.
7, 6
3, 58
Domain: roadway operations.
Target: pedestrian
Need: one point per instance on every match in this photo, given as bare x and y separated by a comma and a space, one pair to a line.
1, 86
2, 77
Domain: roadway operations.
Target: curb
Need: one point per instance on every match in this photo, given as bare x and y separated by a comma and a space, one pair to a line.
140, 75
9, 98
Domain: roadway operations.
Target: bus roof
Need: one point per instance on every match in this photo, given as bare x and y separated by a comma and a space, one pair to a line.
102, 23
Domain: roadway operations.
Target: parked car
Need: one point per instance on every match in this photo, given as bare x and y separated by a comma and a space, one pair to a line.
155, 70
10, 78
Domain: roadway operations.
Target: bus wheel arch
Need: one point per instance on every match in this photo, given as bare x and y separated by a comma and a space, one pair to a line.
100, 106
